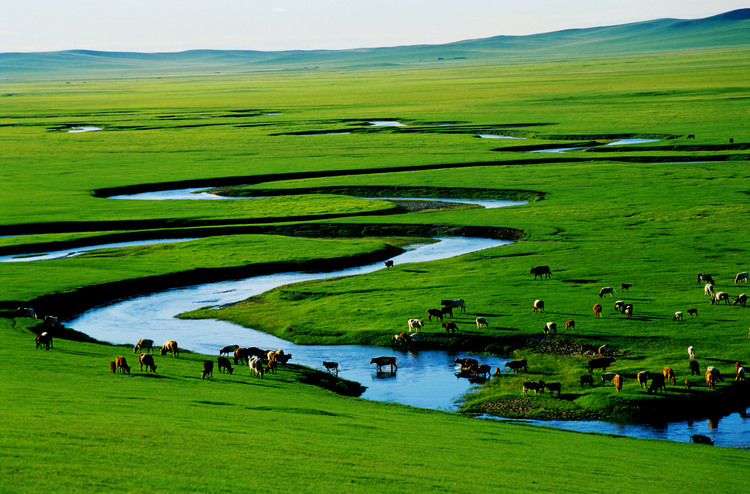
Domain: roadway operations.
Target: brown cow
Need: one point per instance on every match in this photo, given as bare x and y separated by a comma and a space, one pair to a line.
466, 363
618, 382
517, 365
389, 264
241, 355
450, 327
669, 375
570, 325
436, 313
112, 366
171, 347
122, 364
147, 360
643, 377
597, 311
208, 369
483, 370
272, 364
536, 387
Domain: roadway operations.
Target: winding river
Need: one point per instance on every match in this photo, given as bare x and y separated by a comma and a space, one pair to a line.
424, 379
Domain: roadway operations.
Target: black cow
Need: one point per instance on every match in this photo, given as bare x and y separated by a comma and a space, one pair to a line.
599, 363
541, 271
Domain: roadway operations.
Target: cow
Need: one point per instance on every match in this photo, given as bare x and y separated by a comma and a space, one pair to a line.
450, 327
624, 287
701, 439
603, 350
691, 352
541, 272
607, 376
741, 300
713, 370
657, 383
283, 358
254, 351
457, 303
144, 345
481, 322
695, 369
570, 325
148, 360
552, 387
586, 379
122, 364
240, 355
720, 296
669, 375
228, 350
688, 384
332, 367
618, 380
597, 311
381, 362
414, 337
446, 311
414, 325
465, 363
272, 364
112, 366
225, 365
677, 316
706, 278
208, 369
538, 306
517, 365
628, 310
398, 339
436, 313
389, 264
537, 387
741, 277
643, 378
693, 312
256, 366
482, 369
607, 290
550, 326
710, 377
44, 339
599, 363
708, 290
691, 136
171, 347
740, 372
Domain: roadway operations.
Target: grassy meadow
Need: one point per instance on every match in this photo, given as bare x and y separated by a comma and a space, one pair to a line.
654, 214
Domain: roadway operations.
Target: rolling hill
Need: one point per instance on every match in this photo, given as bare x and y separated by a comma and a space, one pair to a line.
725, 30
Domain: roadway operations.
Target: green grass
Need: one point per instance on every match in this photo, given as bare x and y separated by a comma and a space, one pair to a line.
651, 216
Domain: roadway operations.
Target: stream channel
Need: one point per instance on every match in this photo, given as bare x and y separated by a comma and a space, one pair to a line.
425, 378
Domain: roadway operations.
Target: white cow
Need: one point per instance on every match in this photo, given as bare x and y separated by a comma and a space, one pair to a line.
415, 325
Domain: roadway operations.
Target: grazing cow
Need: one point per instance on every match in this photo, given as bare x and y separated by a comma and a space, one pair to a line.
587, 379
450, 327
677, 316
719, 296
691, 352
458, 303
282, 357
708, 290
669, 375
701, 439
695, 368
389, 264
332, 367
618, 380
643, 377
743, 277
481, 370
517, 365
706, 278
122, 364
599, 363
446, 311
398, 339
415, 325
550, 326
436, 313
693, 312
44, 339
715, 375
607, 290
688, 384
657, 383
208, 369
691, 136
552, 387
148, 360
225, 365
570, 325
240, 355
597, 311
228, 350
381, 362
481, 322
144, 345
624, 287
538, 306
603, 350
741, 300
541, 271
465, 363
256, 366
536, 387
710, 378
112, 366
272, 364
171, 347
607, 376
628, 310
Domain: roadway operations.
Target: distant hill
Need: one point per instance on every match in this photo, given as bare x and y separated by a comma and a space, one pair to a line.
724, 30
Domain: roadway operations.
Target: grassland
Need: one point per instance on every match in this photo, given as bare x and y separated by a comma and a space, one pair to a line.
654, 215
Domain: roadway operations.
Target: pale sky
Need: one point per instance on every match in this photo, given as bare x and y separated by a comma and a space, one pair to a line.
270, 25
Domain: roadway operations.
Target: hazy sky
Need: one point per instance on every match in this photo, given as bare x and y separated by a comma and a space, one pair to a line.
177, 25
